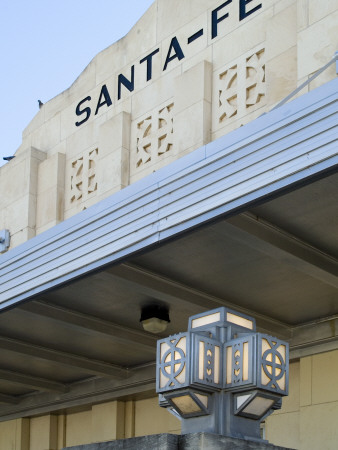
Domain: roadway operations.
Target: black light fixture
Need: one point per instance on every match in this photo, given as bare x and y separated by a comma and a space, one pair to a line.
154, 318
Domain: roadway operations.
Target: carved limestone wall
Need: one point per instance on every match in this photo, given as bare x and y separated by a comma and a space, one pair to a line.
239, 88
152, 140
83, 177
154, 136
174, 83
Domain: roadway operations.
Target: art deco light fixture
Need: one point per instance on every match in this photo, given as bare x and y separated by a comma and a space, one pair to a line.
221, 376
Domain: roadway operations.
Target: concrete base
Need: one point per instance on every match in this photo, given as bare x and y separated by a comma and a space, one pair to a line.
196, 441
152, 442
208, 441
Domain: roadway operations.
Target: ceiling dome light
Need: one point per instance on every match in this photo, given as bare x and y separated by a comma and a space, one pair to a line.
154, 318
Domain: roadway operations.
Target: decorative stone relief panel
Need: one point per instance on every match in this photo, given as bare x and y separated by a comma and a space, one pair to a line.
154, 136
239, 88
83, 178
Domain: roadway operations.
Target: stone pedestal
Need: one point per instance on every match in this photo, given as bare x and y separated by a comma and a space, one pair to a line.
196, 441
152, 442
208, 441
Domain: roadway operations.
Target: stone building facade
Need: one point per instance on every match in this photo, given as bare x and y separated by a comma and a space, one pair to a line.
189, 73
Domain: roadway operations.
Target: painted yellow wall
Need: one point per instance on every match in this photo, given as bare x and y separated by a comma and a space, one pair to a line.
103, 422
309, 417
150, 418
14, 435
79, 428
108, 421
43, 433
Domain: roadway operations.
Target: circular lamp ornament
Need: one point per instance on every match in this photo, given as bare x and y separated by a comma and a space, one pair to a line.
154, 318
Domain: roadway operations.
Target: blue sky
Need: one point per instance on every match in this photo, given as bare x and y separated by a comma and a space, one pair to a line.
45, 45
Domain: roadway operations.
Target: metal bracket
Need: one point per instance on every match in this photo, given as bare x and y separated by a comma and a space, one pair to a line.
4, 240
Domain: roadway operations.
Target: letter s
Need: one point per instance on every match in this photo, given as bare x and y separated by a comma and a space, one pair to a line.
86, 111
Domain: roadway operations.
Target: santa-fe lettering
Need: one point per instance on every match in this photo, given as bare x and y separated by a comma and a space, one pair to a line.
149, 60
174, 45
215, 20
243, 13
129, 84
80, 111
104, 99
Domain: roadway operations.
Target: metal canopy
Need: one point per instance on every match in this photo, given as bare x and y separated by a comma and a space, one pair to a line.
249, 221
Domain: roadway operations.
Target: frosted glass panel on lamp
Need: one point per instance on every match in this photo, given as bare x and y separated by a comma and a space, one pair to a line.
282, 380
281, 383
266, 346
163, 380
282, 351
206, 320
217, 363
241, 399
258, 406
201, 361
181, 376
241, 321
164, 348
182, 344
203, 399
186, 404
229, 365
245, 368
265, 379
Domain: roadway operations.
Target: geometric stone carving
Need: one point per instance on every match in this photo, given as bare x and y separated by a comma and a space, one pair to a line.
241, 86
91, 174
228, 98
154, 135
255, 78
76, 180
83, 180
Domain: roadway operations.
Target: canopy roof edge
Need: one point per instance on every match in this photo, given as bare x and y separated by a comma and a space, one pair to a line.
289, 145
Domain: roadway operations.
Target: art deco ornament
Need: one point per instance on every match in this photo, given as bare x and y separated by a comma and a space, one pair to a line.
221, 376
